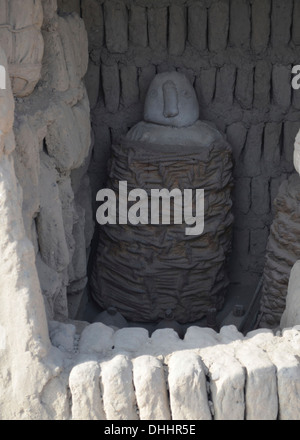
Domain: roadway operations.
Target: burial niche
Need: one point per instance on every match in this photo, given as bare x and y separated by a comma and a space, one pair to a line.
170, 160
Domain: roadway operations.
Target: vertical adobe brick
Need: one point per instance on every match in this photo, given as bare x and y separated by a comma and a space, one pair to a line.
262, 84
111, 87
218, 24
296, 21
260, 195
242, 195
236, 136
240, 26
93, 19
282, 13
258, 241
244, 87
116, 26
205, 86
138, 33
272, 148
281, 86
177, 29
197, 25
146, 76
225, 84
129, 85
252, 152
261, 24
157, 28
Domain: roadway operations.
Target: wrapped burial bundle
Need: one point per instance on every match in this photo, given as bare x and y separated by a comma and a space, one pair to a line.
22, 41
283, 250
145, 269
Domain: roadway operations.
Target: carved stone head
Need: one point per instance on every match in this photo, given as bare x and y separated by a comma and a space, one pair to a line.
171, 100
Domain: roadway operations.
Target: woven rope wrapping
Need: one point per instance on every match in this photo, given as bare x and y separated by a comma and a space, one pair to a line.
144, 270
283, 250
22, 41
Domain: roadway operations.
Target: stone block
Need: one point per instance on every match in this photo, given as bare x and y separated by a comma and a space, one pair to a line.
69, 6
261, 25
138, 34
119, 400
281, 83
111, 86
218, 18
116, 26
262, 84
240, 25
157, 28
150, 388
177, 29
282, 13
129, 85
187, 387
197, 25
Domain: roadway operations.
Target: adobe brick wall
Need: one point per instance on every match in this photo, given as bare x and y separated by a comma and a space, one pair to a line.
238, 55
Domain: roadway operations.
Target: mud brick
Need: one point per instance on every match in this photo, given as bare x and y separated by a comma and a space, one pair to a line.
236, 136
244, 87
240, 26
262, 84
281, 82
282, 13
177, 29
111, 87
138, 33
129, 85
116, 26
197, 25
225, 84
218, 25
205, 85
260, 195
242, 194
296, 21
272, 148
252, 151
260, 24
258, 241
146, 76
157, 28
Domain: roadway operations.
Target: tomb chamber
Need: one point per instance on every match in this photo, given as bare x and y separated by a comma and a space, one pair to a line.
148, 269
